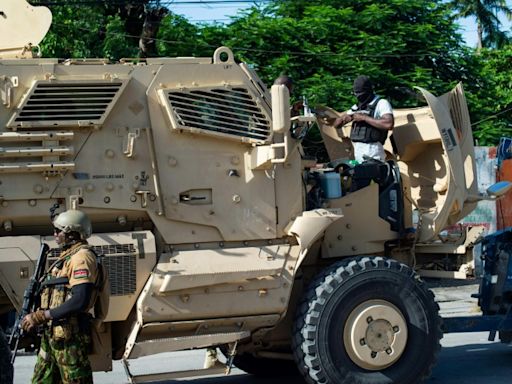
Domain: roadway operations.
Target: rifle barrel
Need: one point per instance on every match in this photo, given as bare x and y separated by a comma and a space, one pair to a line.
29, 299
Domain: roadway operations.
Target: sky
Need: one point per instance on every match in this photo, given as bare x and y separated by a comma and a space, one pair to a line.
201, 12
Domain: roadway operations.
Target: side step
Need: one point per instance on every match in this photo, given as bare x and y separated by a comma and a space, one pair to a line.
173, 344
136, 349
218, 369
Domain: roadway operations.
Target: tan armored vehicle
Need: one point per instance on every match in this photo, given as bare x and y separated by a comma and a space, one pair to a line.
215, 231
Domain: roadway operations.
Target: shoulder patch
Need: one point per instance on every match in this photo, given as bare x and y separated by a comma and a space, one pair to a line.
80, 273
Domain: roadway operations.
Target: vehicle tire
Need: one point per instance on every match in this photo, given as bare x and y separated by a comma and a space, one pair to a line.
6, 368
263, 367
368, 320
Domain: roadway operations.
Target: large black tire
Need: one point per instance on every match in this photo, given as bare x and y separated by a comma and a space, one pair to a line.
6, 368
264, 367
367, 321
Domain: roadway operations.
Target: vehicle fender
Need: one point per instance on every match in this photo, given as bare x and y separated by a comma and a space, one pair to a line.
311, 226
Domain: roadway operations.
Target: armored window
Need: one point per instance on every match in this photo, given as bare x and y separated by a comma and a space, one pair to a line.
230, 112
67, 104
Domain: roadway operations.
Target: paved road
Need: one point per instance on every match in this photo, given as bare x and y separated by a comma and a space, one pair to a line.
465, 358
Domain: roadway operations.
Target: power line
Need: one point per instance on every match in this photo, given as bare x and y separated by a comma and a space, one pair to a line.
279, 52
492, 116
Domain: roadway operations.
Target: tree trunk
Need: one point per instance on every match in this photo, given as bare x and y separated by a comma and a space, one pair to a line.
147, 43
479, 44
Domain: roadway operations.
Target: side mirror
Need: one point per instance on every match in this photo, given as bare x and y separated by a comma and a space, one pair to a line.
494, 192
280, 108
499, 189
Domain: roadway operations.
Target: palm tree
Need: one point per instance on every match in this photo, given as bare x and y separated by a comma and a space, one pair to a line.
488, 24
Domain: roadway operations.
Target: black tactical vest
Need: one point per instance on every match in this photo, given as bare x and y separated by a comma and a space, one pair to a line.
362, 132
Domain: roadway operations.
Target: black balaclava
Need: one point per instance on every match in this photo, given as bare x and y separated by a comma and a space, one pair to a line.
363, 90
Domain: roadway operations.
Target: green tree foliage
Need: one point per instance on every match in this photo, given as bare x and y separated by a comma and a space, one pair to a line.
178, 37
491, 103
326, 44
117, 43
75, 32
109, 29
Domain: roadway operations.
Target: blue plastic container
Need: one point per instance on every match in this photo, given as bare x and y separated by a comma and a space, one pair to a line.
330, 182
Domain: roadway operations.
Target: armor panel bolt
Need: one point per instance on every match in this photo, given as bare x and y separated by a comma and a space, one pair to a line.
38, 188
109, 153
8, 225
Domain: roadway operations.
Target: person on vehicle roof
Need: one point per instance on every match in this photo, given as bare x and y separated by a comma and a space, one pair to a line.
69, 291
288, 82
372, 118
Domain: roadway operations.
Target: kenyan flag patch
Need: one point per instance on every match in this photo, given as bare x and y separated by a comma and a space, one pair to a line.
81, 274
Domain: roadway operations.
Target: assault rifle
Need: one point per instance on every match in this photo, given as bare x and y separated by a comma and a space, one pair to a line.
30, 299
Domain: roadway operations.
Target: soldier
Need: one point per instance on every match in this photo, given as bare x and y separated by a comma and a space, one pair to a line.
69, 291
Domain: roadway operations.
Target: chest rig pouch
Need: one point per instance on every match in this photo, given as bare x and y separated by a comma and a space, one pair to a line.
54, 289
362, 132
54, 293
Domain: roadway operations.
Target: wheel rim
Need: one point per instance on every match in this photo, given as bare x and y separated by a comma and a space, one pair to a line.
375, 335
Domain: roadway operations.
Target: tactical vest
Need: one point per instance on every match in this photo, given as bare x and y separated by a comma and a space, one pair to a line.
54, 288
362, 132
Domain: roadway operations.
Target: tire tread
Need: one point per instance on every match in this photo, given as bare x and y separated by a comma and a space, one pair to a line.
309, 311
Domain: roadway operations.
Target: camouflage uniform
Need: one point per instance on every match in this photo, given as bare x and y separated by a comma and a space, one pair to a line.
63, 356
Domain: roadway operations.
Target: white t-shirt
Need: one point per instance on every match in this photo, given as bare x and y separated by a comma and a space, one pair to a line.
383, 107
372, 150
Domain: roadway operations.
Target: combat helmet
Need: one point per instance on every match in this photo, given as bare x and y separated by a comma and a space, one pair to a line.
74, 220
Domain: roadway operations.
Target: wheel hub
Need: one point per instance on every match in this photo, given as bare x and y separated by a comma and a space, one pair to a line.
375, 335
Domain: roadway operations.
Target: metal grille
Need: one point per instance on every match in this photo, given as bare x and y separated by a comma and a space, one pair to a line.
121, 263
228, 111
73, 103
122, 273
113, 249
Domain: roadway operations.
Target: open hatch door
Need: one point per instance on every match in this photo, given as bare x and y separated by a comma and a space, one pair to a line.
22, 26
435, 152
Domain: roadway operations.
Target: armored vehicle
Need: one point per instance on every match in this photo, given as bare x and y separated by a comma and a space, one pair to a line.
215, 231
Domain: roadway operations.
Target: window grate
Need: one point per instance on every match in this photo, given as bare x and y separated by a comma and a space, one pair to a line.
51, 104
232, 112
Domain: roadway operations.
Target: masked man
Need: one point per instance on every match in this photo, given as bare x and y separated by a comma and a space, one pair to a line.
372, 118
